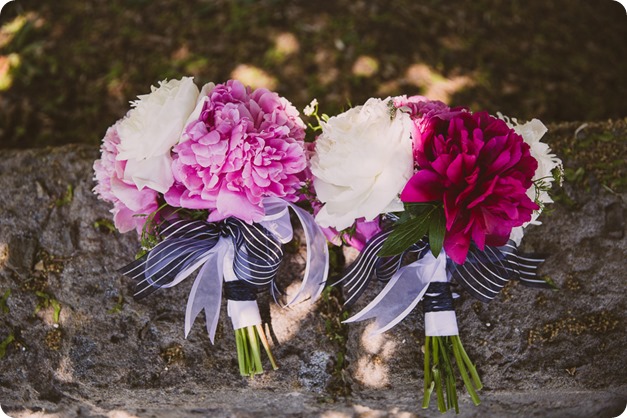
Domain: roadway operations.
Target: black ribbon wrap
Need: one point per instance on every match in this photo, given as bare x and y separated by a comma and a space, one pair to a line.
438, 297
239, 290
185, 243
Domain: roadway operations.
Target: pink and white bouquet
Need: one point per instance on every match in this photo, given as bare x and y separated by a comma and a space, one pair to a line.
453, 188
207, 177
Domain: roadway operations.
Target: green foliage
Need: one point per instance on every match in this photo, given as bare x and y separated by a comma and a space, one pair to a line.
67, 197
418, 220
3, 301
5, 343
575, 176
104, 225
550, 282
150, 231
117, 308
46, 301
437, 229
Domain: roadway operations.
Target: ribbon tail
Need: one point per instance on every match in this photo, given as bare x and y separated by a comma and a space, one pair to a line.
206, 292
402, 293
359, 273
485, 273
524, 266
277, 219
317, 263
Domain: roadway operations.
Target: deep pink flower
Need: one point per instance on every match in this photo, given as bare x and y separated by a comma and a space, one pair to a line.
129, 203
244, 146
480, 169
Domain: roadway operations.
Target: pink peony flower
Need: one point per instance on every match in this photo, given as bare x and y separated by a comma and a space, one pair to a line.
244, 146
364, 230
422, 110
128, 201
480, 169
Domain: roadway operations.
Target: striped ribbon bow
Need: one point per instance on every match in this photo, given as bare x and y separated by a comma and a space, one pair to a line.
483, 275
229, 250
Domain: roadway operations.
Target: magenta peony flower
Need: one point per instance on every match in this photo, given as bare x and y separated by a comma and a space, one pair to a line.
243, 147
480, 169
128, 201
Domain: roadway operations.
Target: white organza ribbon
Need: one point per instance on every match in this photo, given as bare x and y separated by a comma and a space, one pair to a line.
217, 265
403, 292
277, 221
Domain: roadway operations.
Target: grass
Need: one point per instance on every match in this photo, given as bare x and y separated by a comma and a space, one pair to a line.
68, 69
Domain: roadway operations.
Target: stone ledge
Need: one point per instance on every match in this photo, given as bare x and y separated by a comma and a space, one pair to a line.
540, 353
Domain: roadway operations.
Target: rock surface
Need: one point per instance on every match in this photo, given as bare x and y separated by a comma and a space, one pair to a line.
540, 353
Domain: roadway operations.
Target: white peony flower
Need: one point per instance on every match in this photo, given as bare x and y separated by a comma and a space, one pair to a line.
150, 130
532, 132
362, 161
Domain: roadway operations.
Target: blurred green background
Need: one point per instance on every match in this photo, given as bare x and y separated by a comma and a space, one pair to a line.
68, 68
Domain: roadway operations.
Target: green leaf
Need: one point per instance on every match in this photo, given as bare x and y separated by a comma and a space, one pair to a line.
418, 209
550, 282
437, 229
405, 234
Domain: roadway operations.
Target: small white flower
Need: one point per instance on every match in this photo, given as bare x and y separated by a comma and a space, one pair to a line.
311, 108
362, 161
532, 133
150, 130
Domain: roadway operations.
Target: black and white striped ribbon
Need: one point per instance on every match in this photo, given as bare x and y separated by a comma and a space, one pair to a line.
368, 265
485, 273
185, 247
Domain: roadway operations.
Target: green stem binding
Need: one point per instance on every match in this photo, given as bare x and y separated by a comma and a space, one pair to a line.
247, 341
438, 370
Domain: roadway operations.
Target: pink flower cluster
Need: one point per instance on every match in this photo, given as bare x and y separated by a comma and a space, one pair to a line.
130, 205
242, 147
358, 237
245, 145
478, 167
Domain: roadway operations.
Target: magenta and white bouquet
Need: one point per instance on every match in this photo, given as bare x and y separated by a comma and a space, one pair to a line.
207, 177
452, 187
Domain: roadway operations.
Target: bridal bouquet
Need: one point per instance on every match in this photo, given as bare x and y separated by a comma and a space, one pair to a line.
207, 177
409, 177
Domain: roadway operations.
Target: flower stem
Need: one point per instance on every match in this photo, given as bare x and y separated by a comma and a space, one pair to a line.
242, 355
438, 370
247, 341
429, 383
266, 346
255, 366
451, 391
471, 367
437, 374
